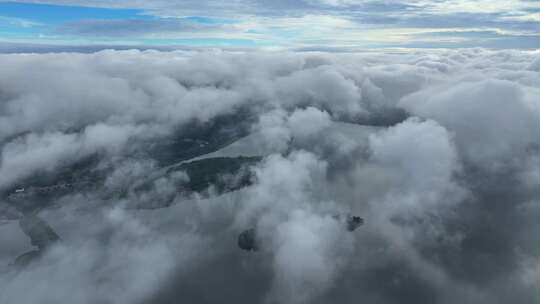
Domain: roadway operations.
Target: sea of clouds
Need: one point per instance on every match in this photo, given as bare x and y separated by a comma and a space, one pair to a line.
437, 150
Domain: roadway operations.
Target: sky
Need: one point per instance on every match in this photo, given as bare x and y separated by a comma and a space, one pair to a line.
290, 24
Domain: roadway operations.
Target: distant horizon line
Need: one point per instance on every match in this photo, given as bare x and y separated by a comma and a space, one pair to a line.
10, 48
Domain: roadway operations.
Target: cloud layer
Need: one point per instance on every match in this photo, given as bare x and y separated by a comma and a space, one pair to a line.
437, 150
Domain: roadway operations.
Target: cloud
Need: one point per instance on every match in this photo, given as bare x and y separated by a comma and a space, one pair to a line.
448, 188
277, 129
495, 128
35, 153
422, 162
134, 27
121, 268
18, 22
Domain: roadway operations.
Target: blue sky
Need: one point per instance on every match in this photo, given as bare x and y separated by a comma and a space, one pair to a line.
273, 23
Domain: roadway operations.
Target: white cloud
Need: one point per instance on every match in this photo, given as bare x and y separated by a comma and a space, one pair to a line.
493, 120
420, 162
